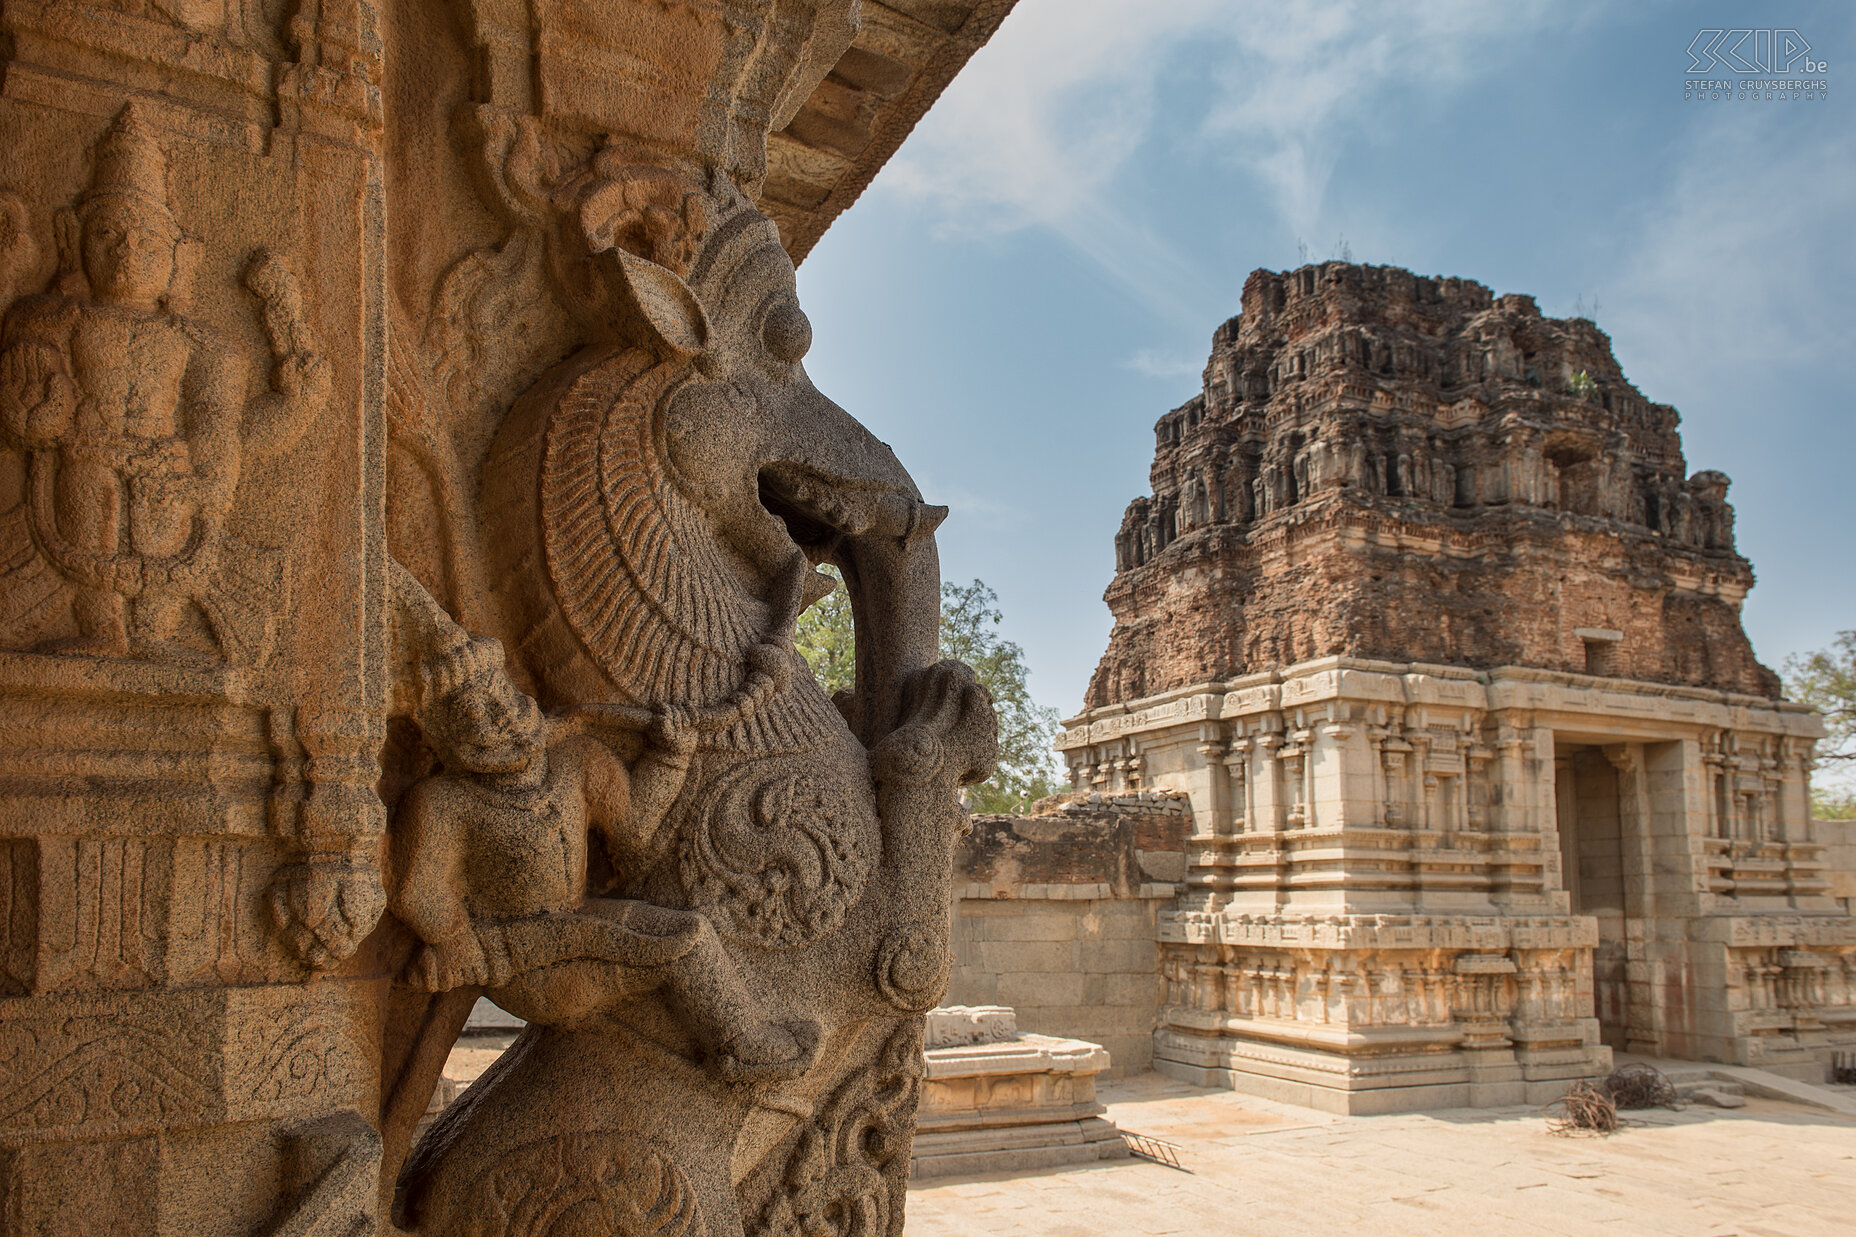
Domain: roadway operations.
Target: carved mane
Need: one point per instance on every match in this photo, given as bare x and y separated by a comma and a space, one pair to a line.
612, 583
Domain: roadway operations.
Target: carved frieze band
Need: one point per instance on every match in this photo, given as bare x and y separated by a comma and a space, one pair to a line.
87, 1068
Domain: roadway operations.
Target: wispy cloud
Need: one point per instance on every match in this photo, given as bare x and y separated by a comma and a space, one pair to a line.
1036, 131
1041, 121
1303, 80
1038, 126
1159, 363
1720, 288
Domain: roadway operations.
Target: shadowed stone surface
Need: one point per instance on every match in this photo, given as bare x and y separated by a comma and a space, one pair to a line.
409, 481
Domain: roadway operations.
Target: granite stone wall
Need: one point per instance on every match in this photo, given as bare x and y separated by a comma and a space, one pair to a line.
1057, 917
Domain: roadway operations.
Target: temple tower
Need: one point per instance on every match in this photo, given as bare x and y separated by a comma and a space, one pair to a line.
1428, 618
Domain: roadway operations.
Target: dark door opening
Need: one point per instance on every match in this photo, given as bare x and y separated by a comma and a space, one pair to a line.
1591, 823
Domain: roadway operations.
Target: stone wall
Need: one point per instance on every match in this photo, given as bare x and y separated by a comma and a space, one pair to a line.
1839, 837
1058, 917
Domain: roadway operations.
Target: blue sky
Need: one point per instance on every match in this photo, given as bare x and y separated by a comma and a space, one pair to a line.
1035, 277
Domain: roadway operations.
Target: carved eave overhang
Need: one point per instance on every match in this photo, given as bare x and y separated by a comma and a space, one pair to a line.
905, 54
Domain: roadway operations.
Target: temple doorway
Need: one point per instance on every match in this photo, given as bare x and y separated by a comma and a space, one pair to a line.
1596, 825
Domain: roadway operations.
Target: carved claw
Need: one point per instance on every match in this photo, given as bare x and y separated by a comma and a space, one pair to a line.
802, 1034
948, 729
324, 906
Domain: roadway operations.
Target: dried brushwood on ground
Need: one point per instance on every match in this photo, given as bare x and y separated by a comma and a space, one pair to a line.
1584, 1110
1640, 1086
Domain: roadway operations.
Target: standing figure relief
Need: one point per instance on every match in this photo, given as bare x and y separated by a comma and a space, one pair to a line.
135, 422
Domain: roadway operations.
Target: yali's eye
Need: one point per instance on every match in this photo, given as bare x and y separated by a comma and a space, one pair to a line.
787, 332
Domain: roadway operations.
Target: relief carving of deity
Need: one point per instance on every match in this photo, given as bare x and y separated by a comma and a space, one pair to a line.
134, 420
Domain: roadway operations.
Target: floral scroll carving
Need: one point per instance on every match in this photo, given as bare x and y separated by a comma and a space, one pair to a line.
595, 1182
782, 851
850, 1166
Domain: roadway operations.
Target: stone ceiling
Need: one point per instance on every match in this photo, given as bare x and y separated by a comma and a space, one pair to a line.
903, 57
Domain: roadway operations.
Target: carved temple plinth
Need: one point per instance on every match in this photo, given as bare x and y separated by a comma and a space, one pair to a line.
1418, 886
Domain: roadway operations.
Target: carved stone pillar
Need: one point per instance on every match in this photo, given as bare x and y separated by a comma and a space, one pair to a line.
1393, 754
191, 598
1237, 764
409, 485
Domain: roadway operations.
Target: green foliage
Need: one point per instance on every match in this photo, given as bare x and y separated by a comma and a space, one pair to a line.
1027, 769
970, 619
823, 637
1583, 384
1827, 804
1826, 680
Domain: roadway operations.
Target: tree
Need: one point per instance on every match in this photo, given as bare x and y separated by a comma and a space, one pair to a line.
970, 619
823, 637
1826, 680
1027, 768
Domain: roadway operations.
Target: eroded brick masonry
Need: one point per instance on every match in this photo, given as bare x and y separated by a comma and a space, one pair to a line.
1390, 466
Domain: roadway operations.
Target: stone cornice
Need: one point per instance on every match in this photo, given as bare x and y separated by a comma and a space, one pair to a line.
1415, 683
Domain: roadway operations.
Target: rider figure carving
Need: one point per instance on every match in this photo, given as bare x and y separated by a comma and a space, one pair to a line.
493, 870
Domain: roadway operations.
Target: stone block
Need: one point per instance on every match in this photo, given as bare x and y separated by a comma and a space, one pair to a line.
1134, 990
1018, 1106
1030, 991
1025, 955
1041, 924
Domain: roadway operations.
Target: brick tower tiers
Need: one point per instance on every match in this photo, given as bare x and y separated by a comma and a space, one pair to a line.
1384, 465
1429, 623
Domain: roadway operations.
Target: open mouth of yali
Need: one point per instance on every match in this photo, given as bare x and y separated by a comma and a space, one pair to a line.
826, 517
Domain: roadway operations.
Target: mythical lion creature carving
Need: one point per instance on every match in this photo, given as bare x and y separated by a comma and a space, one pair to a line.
652, 512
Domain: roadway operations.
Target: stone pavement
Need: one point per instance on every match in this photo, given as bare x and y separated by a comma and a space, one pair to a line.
1766, 1170
475, 1052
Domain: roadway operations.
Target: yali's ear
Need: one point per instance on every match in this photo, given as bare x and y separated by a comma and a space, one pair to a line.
666, 305
630, 218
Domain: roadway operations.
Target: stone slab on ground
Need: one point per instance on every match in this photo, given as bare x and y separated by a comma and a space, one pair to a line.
1021, 1105
1768, 1085
1743, 1079
1251, 1166
486, 1015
